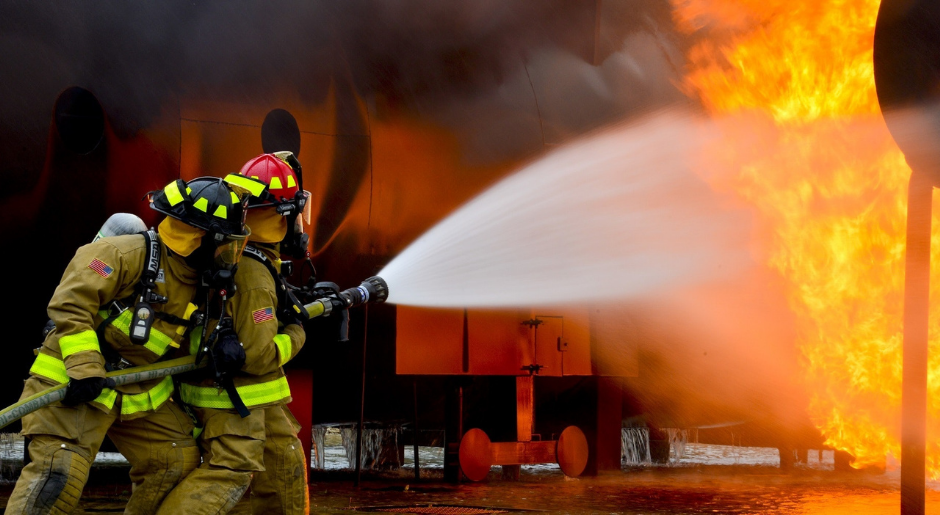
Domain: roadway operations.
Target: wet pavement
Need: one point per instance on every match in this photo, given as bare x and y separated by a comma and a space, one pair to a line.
643, 490
700, 479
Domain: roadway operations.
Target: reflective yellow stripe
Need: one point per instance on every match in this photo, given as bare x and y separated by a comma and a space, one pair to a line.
149, 400
173, 194
201, 204
252, 394
107, 398
194, 337
158, 341
282, 341
72, 343
221, 212
276, 183
54, 368
49, 367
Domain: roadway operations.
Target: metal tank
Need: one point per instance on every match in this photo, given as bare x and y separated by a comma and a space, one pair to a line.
399, 112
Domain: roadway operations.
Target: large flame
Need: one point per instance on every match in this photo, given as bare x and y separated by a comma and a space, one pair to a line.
793, 82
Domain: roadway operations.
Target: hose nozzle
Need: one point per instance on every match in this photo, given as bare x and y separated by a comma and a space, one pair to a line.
373, 289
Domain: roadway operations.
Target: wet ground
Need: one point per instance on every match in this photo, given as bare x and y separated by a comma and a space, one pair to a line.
675, 490
707, 479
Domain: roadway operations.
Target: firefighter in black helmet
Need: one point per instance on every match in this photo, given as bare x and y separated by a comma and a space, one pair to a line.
125, 301
250, 436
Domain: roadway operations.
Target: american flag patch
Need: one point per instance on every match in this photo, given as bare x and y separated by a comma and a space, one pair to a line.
263, 315
100, 267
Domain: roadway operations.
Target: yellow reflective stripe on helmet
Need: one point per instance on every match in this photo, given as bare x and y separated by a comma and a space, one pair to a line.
290, 181
158, 341
251, 394
255, 187
276, 183
221, 212
149, 400
202, 204
235, 199
49, 367
173, 194
73, 343
282, 342
107, 398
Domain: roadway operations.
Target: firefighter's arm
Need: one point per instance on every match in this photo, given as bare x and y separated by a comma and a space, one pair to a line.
94, 276
266, 348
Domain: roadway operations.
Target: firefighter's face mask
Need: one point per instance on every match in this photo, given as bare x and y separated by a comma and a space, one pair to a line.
229, 250
302, 199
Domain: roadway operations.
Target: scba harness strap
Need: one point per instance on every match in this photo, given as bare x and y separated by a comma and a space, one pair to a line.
286, 300
138, 328
143, 315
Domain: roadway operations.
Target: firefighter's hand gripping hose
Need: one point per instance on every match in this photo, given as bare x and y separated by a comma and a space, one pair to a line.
127, 376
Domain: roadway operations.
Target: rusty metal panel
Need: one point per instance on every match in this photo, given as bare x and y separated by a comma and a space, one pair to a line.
429, 341
566, 341
615, 339
521, 453
563, 342
549, 344
525, 407
499, 343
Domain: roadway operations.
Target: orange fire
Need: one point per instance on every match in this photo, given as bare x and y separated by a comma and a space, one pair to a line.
793, 83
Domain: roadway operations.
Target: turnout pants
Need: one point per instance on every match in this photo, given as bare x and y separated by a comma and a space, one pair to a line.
64, 441
261, 451
282, 486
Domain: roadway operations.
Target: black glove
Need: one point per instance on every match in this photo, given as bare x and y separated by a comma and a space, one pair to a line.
84, 390
227, 355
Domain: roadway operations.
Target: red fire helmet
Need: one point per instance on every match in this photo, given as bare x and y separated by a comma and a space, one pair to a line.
280, 178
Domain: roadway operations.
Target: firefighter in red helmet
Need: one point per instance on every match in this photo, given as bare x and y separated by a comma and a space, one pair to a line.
123, 301
250, 437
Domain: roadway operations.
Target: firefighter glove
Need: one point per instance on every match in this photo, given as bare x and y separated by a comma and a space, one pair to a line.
85, 390
227, 355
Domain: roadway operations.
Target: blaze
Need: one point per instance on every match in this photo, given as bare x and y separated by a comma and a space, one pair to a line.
792, 83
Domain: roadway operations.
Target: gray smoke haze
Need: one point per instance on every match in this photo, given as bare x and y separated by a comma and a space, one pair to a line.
586, 62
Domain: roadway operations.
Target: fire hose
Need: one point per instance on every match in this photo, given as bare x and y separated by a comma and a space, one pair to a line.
127, 376
373, 289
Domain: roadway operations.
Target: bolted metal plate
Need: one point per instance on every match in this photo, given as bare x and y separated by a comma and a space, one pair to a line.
572, 451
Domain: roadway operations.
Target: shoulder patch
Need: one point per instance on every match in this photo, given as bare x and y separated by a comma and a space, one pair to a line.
101, 268
262, 315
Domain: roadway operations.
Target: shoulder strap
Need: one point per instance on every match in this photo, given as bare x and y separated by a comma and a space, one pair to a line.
143, 316
259, 256
287, 303
152, 261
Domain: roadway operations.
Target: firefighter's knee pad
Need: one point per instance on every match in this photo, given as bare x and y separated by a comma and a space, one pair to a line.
161, 476
60, 484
